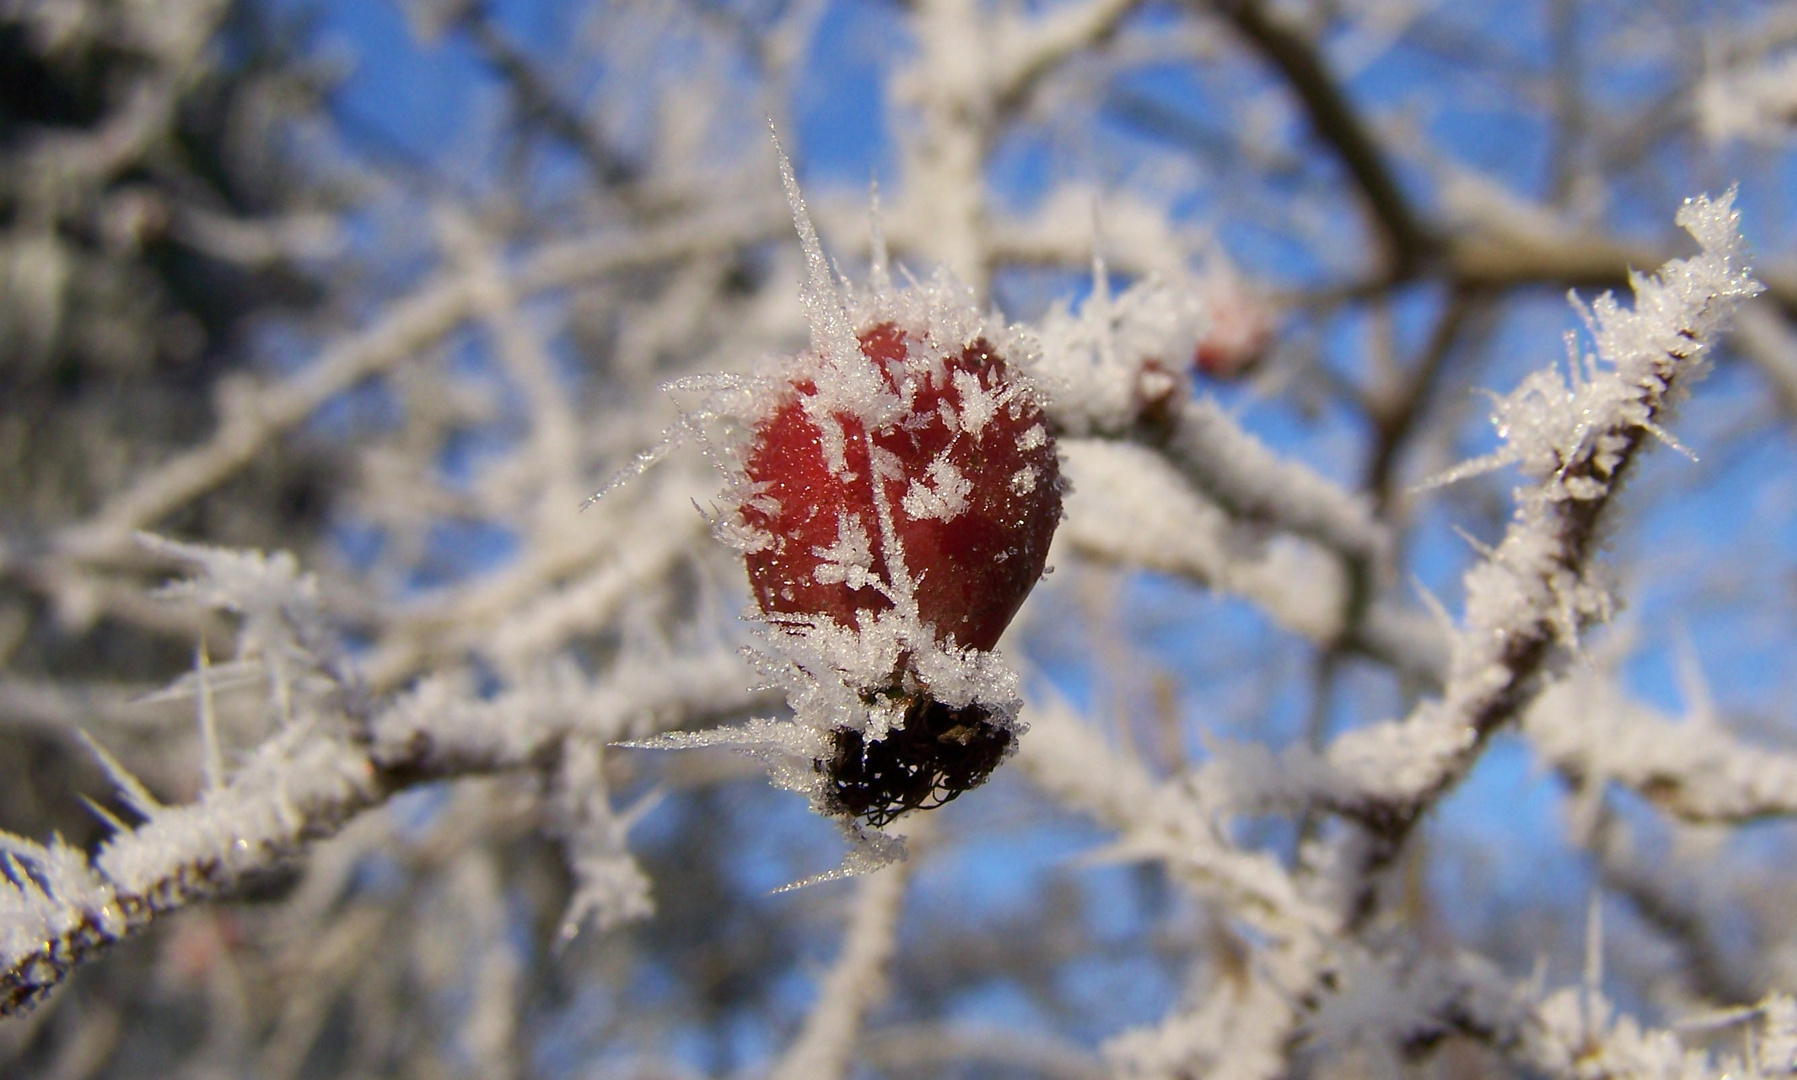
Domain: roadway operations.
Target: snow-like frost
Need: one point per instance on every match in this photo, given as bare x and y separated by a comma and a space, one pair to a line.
1572, 435
851, 558
1567, 432
276, 602
610, 888
1754, 103
978, 405
1104, 363
1696, 768
1130, 505
1553, 418
942, 496
58, 906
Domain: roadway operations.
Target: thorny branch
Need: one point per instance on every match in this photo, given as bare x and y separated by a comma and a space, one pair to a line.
303, 786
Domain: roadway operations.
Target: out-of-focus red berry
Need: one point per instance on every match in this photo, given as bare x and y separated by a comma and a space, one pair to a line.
968, 487
1240, 333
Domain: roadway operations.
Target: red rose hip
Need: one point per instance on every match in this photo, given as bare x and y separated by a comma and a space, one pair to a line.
935, 492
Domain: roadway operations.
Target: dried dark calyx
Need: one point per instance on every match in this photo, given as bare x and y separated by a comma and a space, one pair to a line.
936, 754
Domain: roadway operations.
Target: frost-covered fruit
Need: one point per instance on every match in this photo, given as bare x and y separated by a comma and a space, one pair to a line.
970, 489
1241, 332
938, 752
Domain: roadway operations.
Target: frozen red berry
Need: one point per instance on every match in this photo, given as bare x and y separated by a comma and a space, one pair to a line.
1239, 335
893, 489
938, 499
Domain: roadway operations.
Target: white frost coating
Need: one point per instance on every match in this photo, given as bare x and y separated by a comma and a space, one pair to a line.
940, 317
941, 496
525, 611
1576, 1032
787, 749
282, 624
609, 887
647, 693
1571, 435
1233, 1032
1065, 755
65, 906
901, 586
850, 559
1246, 477
1024, 480
1551, 418
824, 669
1127, 504
831, 335
978, 406
1572, 439
46, 891
825, 415
1381, 1002
1093, 362
1239, 1029
1752, 103
1696, 769
1572, 1033
315, 773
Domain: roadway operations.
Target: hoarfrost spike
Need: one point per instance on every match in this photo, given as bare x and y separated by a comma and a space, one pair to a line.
129, 786
213, 759
110, 819
824, 311
879, 270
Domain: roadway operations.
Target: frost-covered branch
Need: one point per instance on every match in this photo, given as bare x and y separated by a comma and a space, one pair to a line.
1065, 756
58, 909
1403, 1007
1243, 1023
1248, 479
1115, 370
1530, 595
1575, 438
250, 420
1756, 102
1695, 770
328, 762
855, 983
1131, 507
240, 305
599, 560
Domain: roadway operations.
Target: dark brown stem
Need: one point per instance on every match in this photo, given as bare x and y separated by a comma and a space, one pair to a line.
1410, 243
